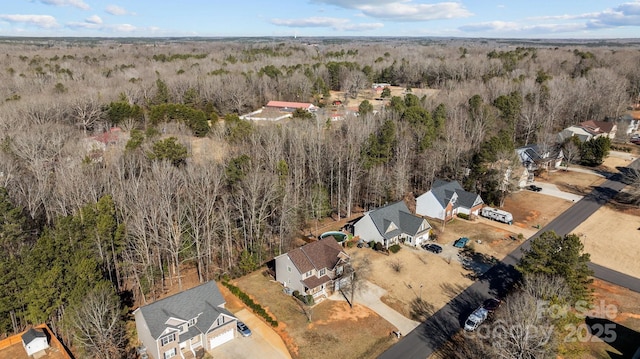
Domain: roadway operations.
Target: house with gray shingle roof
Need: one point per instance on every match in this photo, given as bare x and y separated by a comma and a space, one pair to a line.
185, 322
392, 224
446, 199
534, 157
317, 268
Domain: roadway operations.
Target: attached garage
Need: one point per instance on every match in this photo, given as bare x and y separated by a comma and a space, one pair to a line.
221, 338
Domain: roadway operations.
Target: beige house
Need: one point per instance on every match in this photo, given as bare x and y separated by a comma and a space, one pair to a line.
185, 323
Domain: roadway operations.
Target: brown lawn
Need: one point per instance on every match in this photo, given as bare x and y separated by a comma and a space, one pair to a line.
441, 279
336, 331
574, 182
612, 238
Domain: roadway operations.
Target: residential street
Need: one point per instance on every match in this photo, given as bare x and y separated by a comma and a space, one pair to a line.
434, 332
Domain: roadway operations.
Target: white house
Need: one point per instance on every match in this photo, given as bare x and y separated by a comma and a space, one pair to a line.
588, 130
446, 199
391, 224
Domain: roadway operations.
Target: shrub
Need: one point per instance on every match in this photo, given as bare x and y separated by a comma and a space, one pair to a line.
309, 300
378, 246
463, 216
257, 308
394, 248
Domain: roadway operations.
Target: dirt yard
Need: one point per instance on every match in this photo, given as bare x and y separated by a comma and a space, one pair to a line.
622, 306
612, 238
333, 323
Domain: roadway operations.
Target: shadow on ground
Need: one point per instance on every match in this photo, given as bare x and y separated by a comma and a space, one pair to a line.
623, 339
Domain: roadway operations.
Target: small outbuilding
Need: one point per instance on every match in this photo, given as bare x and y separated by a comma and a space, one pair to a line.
35, 340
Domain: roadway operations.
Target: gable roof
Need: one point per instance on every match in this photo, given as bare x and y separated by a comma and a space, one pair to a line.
316, 255
410, 224
33, 334
597, 127
203, 302
397, 213
443, 191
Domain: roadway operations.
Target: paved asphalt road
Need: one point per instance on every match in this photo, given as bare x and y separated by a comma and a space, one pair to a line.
447, 321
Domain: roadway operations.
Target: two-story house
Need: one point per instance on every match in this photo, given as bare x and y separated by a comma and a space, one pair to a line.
182, 324
392, 224
317, 268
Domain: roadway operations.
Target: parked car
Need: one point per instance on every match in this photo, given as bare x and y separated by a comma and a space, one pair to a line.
491, 304
461, 242
475, 319
534, 188
243, 329
432, 248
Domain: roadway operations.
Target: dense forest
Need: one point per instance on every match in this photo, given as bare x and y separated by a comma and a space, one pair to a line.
194, 186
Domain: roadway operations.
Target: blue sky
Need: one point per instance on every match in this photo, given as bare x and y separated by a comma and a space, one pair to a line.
467, 18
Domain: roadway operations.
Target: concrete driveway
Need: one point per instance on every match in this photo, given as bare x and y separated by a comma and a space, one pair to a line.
264, 342
369, 296
551, 189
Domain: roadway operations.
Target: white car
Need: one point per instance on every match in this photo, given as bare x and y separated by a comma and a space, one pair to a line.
475, 319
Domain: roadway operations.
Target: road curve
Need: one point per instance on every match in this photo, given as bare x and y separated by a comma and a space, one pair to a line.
436, 331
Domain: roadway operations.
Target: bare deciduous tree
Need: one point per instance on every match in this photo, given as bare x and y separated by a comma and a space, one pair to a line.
97, 326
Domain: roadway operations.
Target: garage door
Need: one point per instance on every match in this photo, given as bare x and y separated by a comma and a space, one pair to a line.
221, 339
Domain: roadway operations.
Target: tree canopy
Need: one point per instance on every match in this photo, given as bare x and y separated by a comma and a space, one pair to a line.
560, 256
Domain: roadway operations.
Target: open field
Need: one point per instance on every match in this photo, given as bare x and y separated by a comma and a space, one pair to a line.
613, 239
336, 331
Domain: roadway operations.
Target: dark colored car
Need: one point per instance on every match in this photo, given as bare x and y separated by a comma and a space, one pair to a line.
432, 248
243, 329
491, 304
461, 242
534, 188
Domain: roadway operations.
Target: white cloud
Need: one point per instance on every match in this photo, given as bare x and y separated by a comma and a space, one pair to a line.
95, 19
403, 10
362, 26
43, 21
117, 10
75, 3
123, 28
310, 22
330, 22
626, 14
502, 27
407, 11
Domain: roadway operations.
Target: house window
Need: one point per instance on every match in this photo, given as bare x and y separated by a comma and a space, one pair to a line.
322, 271
308, 274
168, 339
170, 353
192, 322
288, 269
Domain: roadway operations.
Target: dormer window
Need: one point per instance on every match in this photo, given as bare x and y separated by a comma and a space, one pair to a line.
192, 322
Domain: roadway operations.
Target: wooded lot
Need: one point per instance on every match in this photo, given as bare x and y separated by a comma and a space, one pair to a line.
125, 161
